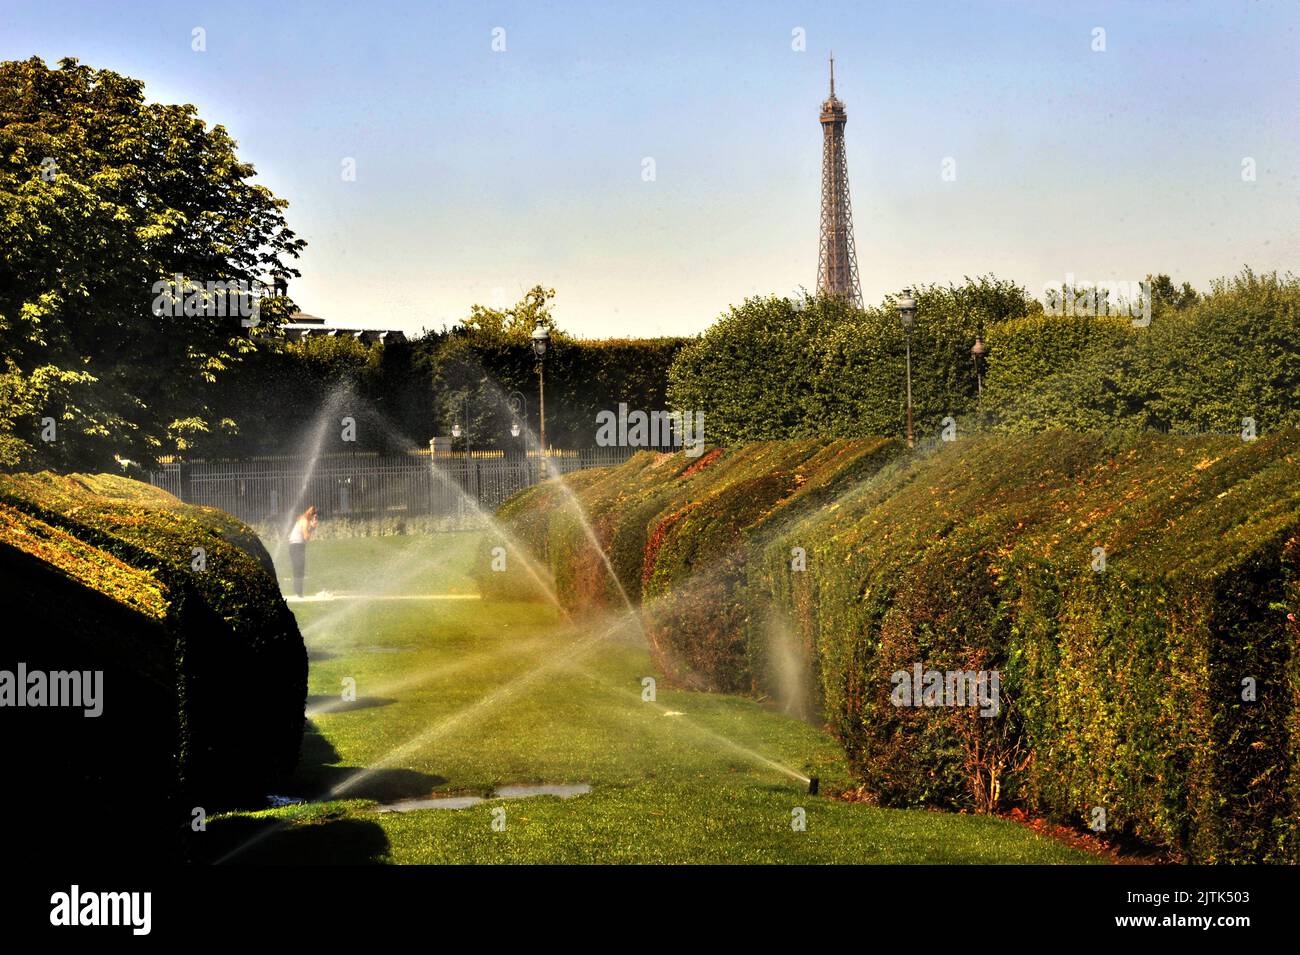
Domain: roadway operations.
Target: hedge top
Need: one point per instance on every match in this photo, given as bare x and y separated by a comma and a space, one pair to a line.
1160, 506
122, 538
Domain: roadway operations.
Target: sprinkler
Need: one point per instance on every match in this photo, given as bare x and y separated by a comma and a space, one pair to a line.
813, 785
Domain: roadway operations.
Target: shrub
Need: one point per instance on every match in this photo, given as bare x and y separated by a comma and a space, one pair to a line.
1203, 367
1121, 688
673, 530
238, 662
75, 607
775, 368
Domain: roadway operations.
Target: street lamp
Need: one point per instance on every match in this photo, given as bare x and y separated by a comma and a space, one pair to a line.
518, 405
977, 355
461, 409
456, 431
541, 339
907, 315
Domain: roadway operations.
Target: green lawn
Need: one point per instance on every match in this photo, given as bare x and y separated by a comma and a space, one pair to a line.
459, 696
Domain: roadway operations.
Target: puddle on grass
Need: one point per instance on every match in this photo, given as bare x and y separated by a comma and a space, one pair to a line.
275, 802
545, 789
563, 791
437, 802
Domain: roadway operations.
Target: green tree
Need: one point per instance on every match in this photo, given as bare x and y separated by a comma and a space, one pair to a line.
1165, 293
783, 368
754, 371
514, 324
105, 199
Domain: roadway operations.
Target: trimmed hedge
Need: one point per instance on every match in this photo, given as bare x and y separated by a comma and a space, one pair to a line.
221, 638
78, 787
1202, 367
775, 368
695, 564
401, 393
1121, 689
583, 378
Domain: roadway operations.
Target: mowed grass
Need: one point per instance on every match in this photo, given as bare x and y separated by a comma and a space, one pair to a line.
456, 697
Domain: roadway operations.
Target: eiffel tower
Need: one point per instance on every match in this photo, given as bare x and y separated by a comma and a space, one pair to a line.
837, 259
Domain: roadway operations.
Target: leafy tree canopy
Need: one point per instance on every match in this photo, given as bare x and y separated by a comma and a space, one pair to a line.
513, 325
105, 200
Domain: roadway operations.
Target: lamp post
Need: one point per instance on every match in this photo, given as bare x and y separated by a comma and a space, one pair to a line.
541, 339
907, 315
456, 432
518, 405
977, 356
462, 408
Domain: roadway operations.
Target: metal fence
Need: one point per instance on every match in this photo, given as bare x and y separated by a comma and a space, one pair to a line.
270, 491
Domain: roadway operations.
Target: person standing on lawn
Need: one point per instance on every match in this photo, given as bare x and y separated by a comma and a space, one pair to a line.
298, 538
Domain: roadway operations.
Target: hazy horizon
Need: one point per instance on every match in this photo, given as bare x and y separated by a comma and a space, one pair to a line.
481, 173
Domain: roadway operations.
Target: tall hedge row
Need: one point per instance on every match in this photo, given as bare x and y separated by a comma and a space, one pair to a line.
774, 368
1122, 687
402, 393
1137, 597
207, 631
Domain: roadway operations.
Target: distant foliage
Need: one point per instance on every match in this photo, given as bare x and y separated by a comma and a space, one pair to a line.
780, 368
777, 368
402, 393
1203, 364
333, 376
583, 378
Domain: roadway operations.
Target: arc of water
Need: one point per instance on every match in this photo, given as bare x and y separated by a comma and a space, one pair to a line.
442, 727
575, 507
704, 731
454, 720
428, 675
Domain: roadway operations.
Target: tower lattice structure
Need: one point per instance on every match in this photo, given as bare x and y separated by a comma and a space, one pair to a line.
837, 259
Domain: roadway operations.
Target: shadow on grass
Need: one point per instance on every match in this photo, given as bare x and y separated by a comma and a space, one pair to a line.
329, 840
313, 834
318, 774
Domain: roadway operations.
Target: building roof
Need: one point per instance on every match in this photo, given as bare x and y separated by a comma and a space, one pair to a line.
302, 325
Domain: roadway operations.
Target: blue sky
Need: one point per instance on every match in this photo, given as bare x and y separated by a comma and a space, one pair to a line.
481, 173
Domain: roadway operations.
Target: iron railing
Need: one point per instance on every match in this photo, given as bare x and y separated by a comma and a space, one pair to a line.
270, 491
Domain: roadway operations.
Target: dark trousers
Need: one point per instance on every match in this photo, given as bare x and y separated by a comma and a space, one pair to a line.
298, 556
